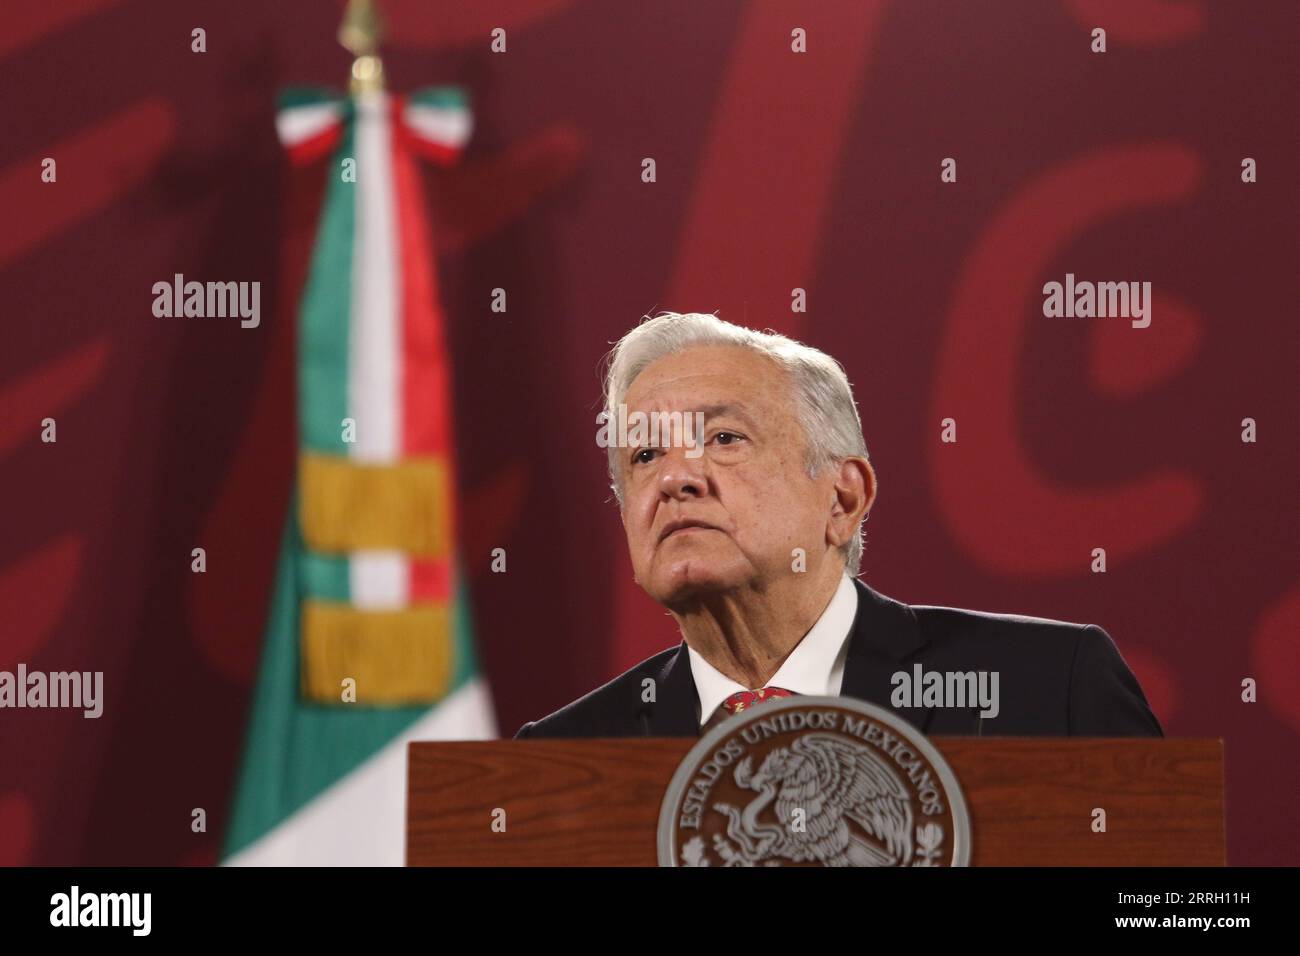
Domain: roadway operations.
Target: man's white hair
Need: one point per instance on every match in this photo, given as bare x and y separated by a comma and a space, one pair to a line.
823, 396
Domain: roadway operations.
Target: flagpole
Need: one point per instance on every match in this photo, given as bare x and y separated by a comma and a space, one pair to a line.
360, 33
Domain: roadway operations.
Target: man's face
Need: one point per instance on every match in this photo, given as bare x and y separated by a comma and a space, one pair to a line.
731, 516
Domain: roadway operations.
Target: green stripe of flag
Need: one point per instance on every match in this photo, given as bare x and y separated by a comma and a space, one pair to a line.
445, 97
296, 96
323, 330
295, 750
326, 577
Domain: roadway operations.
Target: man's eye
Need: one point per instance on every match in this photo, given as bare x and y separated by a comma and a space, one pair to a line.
727, 438
643, 456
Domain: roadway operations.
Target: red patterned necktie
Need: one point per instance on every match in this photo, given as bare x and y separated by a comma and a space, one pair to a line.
745, 699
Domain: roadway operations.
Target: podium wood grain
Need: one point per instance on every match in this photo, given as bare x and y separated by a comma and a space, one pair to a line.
1031, 800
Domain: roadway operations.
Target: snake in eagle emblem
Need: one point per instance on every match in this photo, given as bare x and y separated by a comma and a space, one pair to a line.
835, 783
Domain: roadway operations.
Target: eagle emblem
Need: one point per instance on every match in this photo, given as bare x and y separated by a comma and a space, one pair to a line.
814, 782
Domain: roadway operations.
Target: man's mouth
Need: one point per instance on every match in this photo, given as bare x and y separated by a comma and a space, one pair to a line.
685, 525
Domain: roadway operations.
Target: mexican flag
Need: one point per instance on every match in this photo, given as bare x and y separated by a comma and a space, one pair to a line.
369, 641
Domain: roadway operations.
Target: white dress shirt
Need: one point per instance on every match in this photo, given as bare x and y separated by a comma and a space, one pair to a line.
814, 667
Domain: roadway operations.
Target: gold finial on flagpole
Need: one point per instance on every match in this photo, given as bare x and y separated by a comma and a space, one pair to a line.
360, 34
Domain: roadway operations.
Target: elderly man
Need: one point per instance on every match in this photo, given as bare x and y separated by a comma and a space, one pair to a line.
750, 534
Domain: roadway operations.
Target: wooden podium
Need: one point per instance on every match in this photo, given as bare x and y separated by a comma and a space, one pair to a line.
1031, 800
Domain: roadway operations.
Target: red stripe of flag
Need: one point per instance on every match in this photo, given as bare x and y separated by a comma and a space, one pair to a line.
426, 366
431, 580
425, 382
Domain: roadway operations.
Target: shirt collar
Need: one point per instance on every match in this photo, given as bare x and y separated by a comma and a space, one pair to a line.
815, 667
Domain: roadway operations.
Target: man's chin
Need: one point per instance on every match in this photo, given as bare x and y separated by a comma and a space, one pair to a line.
688, 581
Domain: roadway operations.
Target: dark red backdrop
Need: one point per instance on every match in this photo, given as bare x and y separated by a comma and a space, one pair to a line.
775, 171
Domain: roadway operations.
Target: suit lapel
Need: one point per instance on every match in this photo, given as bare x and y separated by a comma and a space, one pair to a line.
672, 714
885, 636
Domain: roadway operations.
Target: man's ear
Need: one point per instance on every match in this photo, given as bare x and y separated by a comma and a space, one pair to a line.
855, 492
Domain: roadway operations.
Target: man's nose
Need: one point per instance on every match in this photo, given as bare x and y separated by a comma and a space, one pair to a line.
682, 476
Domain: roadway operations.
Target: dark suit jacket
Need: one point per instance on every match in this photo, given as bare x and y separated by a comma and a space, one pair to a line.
1055, 679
